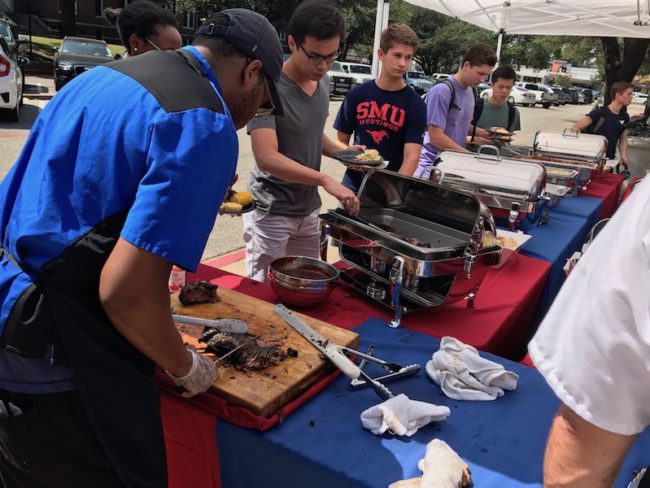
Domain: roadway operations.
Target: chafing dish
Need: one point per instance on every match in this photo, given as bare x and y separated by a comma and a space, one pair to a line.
500, 183
570, 149
415, 244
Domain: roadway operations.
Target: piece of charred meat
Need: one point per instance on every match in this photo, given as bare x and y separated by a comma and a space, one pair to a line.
255, 355
198, 292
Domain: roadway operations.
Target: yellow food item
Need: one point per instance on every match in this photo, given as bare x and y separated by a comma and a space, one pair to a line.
507, 242
243, 198
368, 155
488, 239
231, 207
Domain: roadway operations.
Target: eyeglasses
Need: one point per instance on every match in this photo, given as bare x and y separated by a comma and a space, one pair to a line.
152, 44
319, 58
269, 107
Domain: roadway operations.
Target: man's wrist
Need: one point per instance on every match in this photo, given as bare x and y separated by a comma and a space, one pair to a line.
181, 371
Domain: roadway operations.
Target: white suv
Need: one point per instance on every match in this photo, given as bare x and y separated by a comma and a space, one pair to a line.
360, 73
11, 82
544, 95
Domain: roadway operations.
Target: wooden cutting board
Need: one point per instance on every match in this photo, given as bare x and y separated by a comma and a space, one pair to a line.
265, 392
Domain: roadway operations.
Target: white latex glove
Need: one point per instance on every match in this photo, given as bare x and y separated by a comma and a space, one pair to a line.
441, 468
200, 377
401, 416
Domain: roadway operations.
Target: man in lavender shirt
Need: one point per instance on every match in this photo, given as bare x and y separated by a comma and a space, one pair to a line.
448, 121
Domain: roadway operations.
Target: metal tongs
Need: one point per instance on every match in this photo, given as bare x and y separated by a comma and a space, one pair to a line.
337, 354
395, 370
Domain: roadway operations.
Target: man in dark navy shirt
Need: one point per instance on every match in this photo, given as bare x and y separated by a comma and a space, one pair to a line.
121, 178
611, 121
386, 114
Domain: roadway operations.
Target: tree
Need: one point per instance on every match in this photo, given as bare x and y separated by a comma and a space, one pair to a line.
563, 81
625, 67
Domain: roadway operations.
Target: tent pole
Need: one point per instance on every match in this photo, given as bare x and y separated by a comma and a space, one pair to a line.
381, 22
499, 45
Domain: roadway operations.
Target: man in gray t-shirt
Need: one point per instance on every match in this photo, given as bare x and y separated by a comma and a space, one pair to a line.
288, 149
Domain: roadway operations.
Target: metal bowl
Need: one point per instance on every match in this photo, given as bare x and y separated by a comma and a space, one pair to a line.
301, 281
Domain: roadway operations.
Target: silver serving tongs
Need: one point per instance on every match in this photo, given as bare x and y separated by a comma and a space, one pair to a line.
395, 370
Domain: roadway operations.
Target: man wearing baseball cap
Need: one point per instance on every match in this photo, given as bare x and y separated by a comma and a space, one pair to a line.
121, 177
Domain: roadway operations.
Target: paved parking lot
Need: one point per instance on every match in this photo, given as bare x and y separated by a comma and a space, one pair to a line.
226, 235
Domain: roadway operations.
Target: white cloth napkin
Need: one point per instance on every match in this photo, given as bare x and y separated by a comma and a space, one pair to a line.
464, 375
401, 416
441, 468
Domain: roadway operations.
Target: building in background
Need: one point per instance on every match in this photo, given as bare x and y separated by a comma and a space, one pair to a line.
88, 20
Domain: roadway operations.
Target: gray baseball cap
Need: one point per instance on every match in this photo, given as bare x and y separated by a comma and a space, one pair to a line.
255, 37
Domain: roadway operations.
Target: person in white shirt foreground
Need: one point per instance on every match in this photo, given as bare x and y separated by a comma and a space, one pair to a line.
593, 348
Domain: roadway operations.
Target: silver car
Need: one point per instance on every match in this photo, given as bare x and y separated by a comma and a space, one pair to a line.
11, 81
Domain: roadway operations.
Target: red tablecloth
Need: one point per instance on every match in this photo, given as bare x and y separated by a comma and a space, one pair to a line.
191, 444
607, 187
500, 322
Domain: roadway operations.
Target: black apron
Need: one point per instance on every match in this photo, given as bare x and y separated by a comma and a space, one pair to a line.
115, 380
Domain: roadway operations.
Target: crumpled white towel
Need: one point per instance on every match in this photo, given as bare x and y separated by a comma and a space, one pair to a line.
464, 375
441, 468
401, 416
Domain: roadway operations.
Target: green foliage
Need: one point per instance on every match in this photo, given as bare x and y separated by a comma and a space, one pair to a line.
563, 81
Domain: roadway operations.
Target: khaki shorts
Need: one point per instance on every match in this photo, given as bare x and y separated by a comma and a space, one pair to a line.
269, 237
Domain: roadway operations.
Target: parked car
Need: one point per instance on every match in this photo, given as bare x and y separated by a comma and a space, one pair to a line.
639, 97
578, 96
543, 94
482, 87
563, 93
417, 80
340, 81
360, 73
519, 95
589, 95
77, 55
9, 33
438, 77
557, 92
11, 82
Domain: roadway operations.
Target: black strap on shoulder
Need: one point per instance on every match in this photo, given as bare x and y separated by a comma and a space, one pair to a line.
512, 111
598, 123
452, 100
478, 110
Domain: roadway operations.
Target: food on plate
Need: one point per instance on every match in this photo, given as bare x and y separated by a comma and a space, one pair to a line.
368, 155
501, 131
243, 198
236, 201
255, 355
232, 207
508, 242
198, 292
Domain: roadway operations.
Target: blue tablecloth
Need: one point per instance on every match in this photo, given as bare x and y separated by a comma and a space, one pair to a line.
324, 445
569, 224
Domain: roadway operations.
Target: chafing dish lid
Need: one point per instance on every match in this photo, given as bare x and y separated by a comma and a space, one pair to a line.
450, 207
571, 143
485, 173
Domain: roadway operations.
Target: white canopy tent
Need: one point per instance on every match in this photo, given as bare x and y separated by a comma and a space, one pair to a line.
596, 18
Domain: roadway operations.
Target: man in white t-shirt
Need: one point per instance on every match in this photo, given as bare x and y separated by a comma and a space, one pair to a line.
593, 348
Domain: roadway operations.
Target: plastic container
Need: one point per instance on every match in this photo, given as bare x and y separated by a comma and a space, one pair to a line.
176, 279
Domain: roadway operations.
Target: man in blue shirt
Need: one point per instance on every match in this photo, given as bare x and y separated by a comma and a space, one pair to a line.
611, 121
121, 177
386, 114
